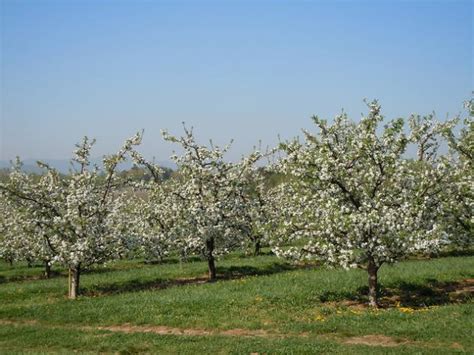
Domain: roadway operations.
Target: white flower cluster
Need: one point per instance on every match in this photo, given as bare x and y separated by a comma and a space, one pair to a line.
203, 209
347, 196
353, 198
458, 192
75, 220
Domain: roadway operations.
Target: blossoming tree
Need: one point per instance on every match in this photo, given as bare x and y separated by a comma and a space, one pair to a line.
24, 237
80, 216
459, 201
261, 208
154, 213
11, 232
208, 210
353, 200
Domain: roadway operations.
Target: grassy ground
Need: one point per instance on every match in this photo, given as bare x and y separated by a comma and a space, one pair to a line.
259, 305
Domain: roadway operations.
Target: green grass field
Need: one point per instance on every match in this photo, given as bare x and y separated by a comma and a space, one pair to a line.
259, 305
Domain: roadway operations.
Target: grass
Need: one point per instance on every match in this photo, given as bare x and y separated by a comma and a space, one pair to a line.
267, 305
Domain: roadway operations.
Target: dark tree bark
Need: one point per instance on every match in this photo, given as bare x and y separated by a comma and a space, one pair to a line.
74, 278
258, 247
372, 270
210, 259
47, 269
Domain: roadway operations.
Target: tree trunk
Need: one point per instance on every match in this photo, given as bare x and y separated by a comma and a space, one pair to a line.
257, 247
47, 269
372, 270
210, 259
212, 268
74, 276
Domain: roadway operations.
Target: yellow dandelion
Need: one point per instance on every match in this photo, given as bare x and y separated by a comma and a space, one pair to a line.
406, 310
320, 318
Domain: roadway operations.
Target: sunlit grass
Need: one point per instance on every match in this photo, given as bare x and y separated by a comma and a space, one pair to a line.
311, 308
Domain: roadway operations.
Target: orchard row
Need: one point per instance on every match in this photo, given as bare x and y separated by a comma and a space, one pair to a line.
352, 195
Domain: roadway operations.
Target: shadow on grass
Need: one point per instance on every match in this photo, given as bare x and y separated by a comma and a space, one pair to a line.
233, 272
405, 294
39, 276
456, 252
431, 294
444, 254
146, 264
169, 261
250, 254
223, 273
136, 285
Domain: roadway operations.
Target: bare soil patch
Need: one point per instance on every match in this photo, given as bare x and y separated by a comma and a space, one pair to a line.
249, 333
164, 330
456, 346
369, 340
465, 286
435, 293
375, 340
161, 330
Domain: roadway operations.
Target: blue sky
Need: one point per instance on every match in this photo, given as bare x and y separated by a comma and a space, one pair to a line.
248, 70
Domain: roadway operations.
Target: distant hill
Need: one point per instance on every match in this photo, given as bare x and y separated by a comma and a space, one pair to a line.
63, 165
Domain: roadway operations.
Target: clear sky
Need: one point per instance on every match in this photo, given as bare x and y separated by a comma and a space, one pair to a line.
246, 70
